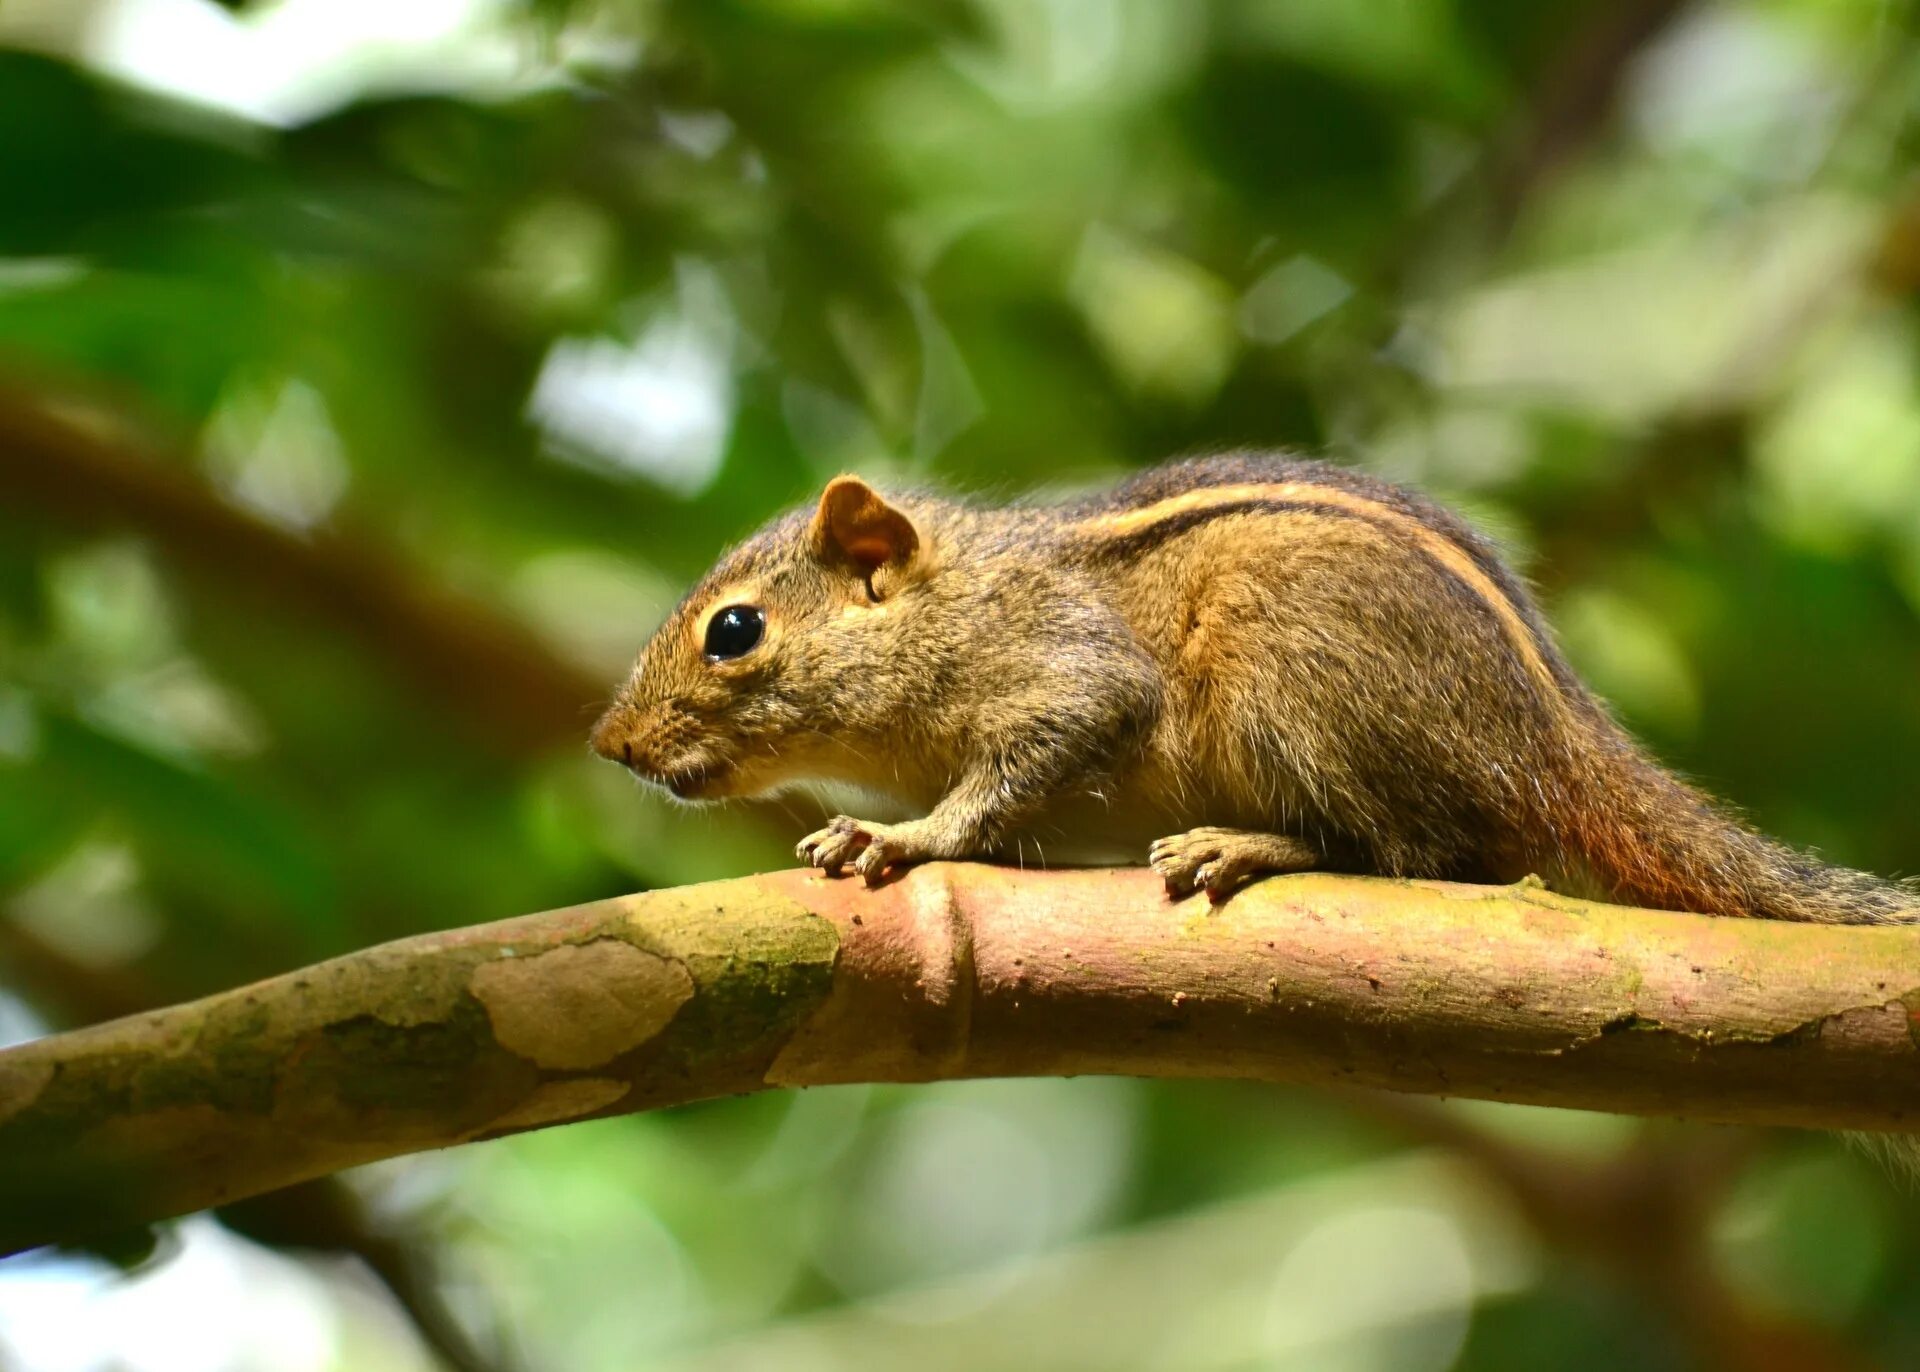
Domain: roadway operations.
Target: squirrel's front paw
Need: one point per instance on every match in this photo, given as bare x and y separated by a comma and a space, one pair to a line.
871, 848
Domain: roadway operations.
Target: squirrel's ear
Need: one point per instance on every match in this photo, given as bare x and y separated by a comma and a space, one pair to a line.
855, 525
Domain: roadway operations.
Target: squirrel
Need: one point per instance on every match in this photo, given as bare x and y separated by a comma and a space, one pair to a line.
1237, 665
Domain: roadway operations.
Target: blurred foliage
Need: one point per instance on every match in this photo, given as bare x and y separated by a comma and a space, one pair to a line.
365, 400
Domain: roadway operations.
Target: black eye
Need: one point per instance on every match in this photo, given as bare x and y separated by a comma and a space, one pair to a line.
734, 631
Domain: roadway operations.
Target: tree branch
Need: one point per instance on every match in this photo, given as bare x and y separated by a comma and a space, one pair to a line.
792, 979
325, 1215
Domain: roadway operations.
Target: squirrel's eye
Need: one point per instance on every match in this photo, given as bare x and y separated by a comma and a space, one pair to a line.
734, 631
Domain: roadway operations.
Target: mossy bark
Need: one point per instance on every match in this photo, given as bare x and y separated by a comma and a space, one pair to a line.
794, 979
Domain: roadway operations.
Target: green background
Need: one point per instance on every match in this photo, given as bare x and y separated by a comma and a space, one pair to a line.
355, 429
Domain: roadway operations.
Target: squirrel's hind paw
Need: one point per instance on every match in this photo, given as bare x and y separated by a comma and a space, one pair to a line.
1220, 861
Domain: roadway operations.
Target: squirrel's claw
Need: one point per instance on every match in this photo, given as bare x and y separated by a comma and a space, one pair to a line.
869, 848
835, 846
872, 864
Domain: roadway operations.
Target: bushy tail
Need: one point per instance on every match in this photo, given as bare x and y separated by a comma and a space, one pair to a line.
1648, 838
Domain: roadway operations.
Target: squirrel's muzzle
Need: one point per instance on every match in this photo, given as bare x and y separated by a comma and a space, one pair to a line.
661, 744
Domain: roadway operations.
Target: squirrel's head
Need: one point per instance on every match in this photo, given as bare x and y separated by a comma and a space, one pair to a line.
784, 658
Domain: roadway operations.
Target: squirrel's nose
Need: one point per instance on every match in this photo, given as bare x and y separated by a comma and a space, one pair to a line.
612, 739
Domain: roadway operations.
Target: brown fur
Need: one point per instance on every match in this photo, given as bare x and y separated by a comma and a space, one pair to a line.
1263, 663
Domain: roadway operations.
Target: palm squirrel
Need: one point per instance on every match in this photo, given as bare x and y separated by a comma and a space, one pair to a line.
1237, 665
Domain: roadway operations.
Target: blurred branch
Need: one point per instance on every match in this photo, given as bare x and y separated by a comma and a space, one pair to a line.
83, 468
73, 991
328, 1216
792, 979
1573, 100
1641, 1218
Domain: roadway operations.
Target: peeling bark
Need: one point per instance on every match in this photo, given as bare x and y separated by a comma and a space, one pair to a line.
793, 979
